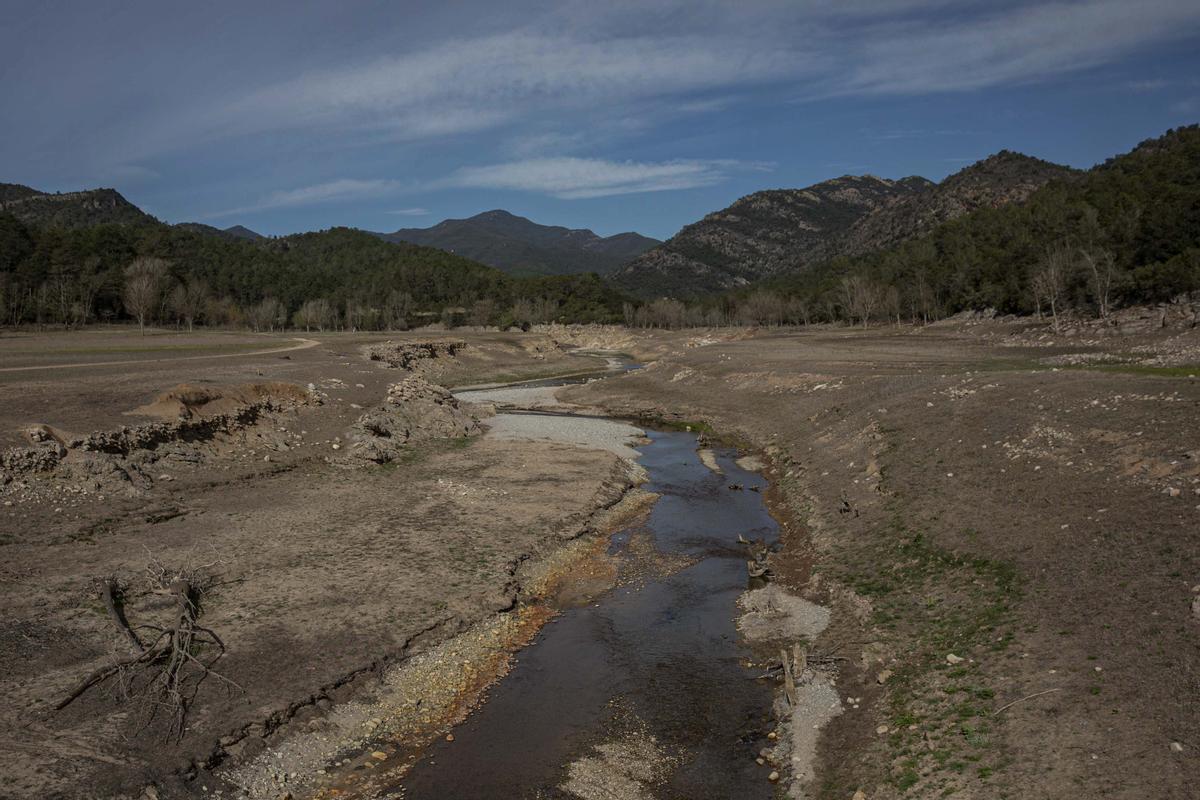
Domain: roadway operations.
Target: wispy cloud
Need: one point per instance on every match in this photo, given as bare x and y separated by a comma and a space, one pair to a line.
339, 191
584, 66
1151, 85
579, 178
410, 212
910, 133
1014, 45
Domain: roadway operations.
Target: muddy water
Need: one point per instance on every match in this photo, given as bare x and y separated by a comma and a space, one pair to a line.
656, 658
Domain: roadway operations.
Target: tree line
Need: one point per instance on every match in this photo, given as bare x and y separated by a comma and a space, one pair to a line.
335, 279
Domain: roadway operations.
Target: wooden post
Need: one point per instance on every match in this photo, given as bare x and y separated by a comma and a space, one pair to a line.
789, 680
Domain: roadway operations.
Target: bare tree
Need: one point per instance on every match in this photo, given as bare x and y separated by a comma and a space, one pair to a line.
860, 298
188, 301
1102, 274
316, 313
482, 312
1049, 282
143, 285
522, 313
397, 310
266, 315
761, 308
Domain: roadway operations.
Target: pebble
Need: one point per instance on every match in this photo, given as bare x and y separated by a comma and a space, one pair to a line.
772, 736
1176, 747
379, 755
953, 659
774, 776
449, 737
882, 729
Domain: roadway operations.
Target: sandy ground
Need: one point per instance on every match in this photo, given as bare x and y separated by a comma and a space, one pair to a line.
1011, 548
326, 571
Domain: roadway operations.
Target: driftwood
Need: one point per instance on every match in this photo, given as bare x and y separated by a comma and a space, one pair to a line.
789, 680
167, 671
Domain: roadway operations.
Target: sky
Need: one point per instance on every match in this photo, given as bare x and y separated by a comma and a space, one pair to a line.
290, 115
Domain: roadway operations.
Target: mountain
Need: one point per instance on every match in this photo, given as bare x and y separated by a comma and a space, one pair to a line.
520, 246
1125, 232
70, 209
242, 232
778, 232
236, 232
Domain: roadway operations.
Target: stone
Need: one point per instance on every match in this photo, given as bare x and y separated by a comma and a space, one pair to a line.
774, 776
379, 755
953, 659
859, 795
883, 676
1176, 747
882, 729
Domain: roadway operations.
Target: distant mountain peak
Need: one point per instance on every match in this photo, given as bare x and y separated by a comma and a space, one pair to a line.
518, 245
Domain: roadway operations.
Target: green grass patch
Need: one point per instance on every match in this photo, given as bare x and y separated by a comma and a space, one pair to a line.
932, 601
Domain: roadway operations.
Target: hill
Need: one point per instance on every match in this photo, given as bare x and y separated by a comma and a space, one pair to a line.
1124, 232
520, 246
70, 209
235, 232
779, 232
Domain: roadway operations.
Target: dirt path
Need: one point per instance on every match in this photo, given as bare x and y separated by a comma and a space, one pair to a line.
304, 344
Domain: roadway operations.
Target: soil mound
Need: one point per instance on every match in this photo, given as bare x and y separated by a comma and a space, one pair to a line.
415, 410
191, 401
408, 355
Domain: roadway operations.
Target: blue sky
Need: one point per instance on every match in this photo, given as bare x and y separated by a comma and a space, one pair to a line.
616, 116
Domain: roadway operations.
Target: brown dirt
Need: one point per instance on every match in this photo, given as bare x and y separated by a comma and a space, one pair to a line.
326, 575
961, 498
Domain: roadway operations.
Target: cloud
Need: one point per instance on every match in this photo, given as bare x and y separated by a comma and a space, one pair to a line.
579, 67
467, 85
1152, 85
1018, 45
339, 191
580, 178
409, 212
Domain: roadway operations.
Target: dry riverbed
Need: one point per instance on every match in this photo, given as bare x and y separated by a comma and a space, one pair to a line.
348, 532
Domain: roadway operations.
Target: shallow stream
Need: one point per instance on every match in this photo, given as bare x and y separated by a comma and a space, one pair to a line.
642, 692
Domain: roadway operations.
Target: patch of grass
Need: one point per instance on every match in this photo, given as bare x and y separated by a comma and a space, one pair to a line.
1185, 371
932, 601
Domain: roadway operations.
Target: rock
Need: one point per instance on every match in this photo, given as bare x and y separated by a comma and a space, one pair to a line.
859, 795
449, 737
882, 729
1196, 607
1173, 491
379, 755
1176, 747
773, 777
953, 659
883, 676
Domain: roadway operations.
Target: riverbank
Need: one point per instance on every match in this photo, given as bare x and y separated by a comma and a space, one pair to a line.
323, 564
966, 510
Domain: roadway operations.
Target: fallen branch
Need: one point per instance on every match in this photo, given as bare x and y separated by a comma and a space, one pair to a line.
1022, 700
168, 672
110, 590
